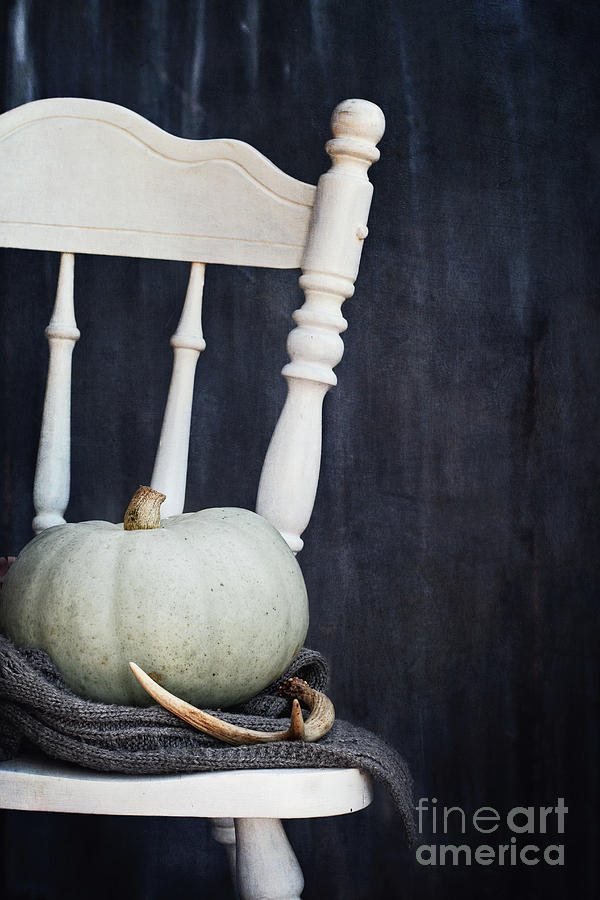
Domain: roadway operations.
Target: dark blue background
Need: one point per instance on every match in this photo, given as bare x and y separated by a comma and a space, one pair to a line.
452, 557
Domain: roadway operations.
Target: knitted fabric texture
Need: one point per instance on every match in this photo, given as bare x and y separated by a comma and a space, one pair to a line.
38, 707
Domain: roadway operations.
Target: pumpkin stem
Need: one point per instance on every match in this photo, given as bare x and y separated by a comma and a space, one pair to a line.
143, 510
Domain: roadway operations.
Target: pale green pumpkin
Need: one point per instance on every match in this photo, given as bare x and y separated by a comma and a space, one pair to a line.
213, 603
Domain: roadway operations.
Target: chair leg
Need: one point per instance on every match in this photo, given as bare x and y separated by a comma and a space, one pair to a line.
267, 868
223, 831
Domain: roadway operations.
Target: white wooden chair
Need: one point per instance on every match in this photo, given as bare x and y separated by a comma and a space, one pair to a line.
84, 176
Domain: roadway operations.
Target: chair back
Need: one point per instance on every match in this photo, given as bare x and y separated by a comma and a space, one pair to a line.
85, 176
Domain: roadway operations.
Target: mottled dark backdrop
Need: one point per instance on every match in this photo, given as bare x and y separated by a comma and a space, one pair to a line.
452, 558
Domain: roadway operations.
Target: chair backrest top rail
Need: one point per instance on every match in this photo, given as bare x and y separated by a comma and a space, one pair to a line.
87, 176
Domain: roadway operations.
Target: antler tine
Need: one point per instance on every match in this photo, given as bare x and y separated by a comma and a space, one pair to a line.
297, 727
223, 731
322, 712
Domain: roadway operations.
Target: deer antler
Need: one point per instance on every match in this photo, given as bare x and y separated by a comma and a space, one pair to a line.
319, 722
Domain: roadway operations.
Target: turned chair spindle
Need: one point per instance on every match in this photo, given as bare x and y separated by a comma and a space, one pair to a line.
53, 470
170, 467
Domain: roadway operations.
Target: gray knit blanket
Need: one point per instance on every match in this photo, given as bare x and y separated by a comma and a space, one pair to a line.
37, 707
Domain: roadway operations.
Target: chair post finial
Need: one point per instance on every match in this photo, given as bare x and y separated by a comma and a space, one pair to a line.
357, 126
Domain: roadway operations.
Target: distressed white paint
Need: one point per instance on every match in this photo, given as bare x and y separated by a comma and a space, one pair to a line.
91, 177
42, 784
267, 868
290, 473
53, 470
223, 831
170, 467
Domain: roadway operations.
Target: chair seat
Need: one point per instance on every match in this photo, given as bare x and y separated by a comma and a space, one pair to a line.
38, 783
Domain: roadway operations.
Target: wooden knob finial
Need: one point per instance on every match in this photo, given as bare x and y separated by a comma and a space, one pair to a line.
358, 119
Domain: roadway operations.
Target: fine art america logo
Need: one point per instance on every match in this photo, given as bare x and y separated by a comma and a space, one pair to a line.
523, 834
